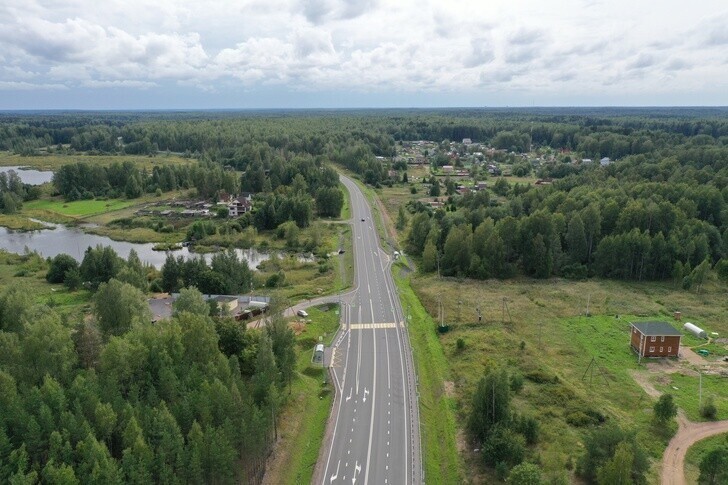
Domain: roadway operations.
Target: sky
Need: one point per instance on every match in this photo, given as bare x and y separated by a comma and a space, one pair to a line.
215, 54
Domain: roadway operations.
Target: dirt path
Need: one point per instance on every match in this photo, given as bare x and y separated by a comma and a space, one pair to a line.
688, 433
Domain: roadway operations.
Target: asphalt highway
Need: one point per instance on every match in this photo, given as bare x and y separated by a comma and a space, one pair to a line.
374, 426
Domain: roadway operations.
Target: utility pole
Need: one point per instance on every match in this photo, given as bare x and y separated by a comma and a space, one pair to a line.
588, 301
700, 390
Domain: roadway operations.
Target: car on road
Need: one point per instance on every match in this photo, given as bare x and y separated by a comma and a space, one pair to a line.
302, 313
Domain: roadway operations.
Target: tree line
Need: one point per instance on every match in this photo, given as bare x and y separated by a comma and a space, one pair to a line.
622, 222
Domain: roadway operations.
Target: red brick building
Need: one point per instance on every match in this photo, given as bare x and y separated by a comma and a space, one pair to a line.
655, 339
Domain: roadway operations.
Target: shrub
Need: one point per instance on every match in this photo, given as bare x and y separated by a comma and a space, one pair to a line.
709, 410
504, 445
460, 345
516, 383
541, 377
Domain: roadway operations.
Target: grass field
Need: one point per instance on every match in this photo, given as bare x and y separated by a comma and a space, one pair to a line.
28, 271
684, 386
697, 451
559, 343
78, 208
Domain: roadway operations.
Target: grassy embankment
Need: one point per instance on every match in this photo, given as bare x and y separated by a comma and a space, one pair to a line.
438, 426
303, 422
17, 222
696, 453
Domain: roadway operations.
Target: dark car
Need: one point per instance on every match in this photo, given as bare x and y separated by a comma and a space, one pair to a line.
363, 220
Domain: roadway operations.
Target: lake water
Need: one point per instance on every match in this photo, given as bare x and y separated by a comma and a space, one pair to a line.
31, 177
73, 241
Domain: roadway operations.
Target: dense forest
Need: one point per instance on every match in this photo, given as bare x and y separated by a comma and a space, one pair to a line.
646, 217
113, 398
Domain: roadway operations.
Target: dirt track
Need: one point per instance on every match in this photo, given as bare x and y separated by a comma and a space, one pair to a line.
688, 433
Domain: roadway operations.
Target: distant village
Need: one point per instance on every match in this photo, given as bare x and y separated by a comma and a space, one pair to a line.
235, 206
463, 162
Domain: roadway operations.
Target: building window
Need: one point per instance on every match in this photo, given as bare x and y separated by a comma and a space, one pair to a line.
660, 349
669, 349
653, 339
662, 339
652, 349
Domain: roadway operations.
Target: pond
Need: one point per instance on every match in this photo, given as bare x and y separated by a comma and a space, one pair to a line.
73, 241
29, 175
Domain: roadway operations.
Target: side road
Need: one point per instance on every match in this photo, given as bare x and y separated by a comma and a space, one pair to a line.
688, 433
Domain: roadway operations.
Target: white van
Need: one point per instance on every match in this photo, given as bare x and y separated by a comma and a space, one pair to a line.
302, 313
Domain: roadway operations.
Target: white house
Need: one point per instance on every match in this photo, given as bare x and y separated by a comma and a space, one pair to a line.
240, 205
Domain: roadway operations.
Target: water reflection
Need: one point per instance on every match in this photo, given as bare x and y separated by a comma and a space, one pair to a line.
73, 241
30, 176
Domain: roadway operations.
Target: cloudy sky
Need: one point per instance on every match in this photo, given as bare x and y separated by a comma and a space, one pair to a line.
131, 54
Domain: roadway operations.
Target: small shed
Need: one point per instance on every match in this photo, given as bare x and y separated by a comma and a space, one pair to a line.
228, 304
655, 339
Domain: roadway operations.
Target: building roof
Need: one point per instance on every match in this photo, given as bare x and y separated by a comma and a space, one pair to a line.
650, 329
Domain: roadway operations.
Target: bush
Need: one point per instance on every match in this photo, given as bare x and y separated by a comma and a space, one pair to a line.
665, 409
58, 268
156, 286
574, 271
541, 377
504, 445
722, 269
516, 383
709, 410
601, 445
72, 279
460, 345
525, 474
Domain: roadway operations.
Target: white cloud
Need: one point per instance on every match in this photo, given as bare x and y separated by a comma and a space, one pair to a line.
127, 83
373, 46
26, 86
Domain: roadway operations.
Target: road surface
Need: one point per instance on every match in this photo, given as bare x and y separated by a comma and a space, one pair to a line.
373, 432
688, 433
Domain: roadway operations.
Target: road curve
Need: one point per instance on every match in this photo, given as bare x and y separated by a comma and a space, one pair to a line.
373, 432
688, 433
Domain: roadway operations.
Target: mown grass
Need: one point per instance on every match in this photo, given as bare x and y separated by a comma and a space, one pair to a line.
438, 426
696, 453
685, 388
78, 208
304, 421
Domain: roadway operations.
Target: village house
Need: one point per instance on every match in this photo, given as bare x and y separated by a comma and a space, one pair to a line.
604, 162
655, 339
240, 205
